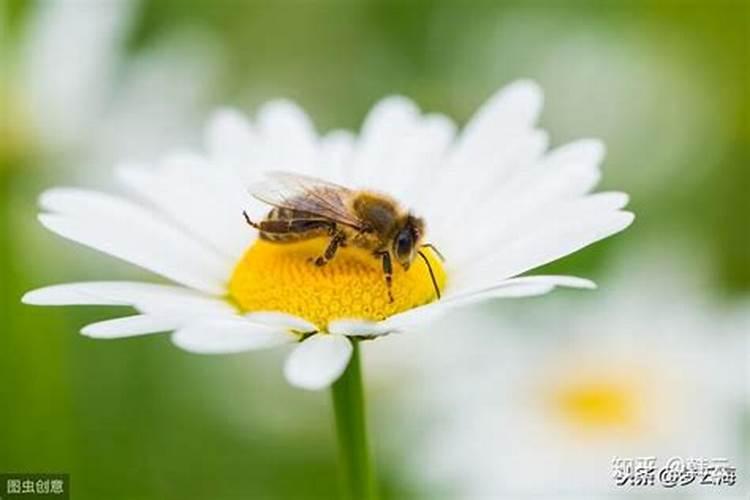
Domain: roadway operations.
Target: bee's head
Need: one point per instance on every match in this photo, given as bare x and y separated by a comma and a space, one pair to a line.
407, 240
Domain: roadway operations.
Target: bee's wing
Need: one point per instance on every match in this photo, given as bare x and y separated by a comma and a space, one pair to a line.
306, 194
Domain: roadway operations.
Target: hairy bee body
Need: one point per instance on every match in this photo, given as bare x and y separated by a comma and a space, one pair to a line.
380, 218
306, 208
286, 225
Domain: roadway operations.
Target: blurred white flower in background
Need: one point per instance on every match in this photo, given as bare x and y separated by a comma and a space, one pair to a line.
629, 84
68, 64
88, 104
643, 368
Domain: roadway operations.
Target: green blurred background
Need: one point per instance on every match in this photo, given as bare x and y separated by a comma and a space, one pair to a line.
664, 83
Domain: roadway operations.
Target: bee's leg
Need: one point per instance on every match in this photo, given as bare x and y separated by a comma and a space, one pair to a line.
330, 251
249, 222
385, 258
434, 249
291, 226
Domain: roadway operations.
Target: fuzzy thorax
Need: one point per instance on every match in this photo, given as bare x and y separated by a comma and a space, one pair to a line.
282, 277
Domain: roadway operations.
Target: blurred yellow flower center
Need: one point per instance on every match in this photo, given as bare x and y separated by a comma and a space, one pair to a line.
282, 277
599, 405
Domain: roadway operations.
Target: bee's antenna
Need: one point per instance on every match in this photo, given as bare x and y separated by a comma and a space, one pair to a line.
434, 249
432, 274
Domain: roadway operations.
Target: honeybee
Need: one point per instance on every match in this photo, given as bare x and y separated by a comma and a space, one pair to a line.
306, 207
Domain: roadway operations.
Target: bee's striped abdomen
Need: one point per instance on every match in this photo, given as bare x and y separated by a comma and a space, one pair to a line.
285, 225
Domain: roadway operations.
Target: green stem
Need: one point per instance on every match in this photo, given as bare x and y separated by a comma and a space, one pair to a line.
358, 479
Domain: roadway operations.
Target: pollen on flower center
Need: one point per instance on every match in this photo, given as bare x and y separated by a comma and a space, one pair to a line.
282, 277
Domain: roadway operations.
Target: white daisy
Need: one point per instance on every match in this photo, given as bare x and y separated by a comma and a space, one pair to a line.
496, 204
111, 104
647, 369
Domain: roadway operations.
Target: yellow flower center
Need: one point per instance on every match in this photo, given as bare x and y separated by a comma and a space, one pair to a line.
282, 277
599, 405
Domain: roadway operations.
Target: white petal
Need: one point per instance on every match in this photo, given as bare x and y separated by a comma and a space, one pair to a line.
318, 361
187, 308
230, 139
224, 336
144, 296
569, 171
203, 199
415, 158
556, 280
511, 110
131, 233
357, 328
476, 182
289, 140
553, 213
335, 156
389, 122
130, 326
89, 293
526, 286
414, 318
541, 248
573, 169
281, 320
519, 242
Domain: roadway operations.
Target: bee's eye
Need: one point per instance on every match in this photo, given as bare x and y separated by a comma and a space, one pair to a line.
404, 243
